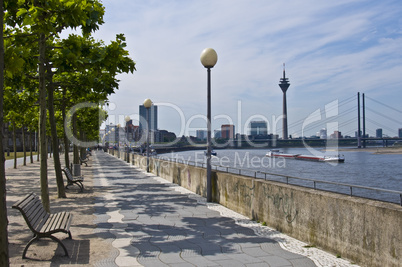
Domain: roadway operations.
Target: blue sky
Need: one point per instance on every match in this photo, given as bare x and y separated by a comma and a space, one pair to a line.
332, 50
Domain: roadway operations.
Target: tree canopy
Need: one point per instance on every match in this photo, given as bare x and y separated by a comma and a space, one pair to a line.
46, 75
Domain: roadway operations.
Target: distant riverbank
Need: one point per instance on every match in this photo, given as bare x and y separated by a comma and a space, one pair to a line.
376, 150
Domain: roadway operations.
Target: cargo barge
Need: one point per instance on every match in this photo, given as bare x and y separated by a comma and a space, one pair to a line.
278, 154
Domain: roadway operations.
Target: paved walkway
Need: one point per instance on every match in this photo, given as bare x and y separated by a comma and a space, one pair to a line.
143, 220
152, 223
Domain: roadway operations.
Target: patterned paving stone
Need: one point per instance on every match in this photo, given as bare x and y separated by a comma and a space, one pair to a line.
188, 247
200, 261
188, 253
244, 258
230, 263
276, 261
255, 252
153, 224
217, 257
170, 258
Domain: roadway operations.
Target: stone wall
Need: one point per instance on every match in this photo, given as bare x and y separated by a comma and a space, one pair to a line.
364, 231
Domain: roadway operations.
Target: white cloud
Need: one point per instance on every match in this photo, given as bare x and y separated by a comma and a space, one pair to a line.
332, 50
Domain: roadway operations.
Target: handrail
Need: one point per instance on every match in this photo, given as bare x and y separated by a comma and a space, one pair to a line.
287, 177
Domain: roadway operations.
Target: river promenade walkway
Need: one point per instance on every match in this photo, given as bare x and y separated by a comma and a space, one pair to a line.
127, 217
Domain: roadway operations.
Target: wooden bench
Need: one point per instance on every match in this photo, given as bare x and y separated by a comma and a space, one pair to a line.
41, 223
71, 180
84, 161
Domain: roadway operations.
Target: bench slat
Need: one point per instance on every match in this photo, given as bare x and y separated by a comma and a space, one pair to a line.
49, 225
54, 222
37, 215
23, 202
35, 211
32, 210
63, 220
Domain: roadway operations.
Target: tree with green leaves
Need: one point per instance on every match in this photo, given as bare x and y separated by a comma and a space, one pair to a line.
4, 256
46, 19
86, 72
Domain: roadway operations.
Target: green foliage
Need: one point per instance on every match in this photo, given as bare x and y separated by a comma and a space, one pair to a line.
83, 70
52, 16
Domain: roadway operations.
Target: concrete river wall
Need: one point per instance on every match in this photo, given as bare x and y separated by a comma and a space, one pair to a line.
366, 232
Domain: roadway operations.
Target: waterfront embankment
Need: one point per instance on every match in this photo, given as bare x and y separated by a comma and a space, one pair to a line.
375, 150
362, 230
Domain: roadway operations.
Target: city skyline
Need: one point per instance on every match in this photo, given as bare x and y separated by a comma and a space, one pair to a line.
331, 50
227, 131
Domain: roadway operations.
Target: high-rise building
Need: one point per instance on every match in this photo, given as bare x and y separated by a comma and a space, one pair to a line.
400, 132
378, 133
323, 133
228, 131
201, 134
258, 128
153, 120
336, 135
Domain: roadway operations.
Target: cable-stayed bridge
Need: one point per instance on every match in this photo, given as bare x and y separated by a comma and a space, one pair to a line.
340, 119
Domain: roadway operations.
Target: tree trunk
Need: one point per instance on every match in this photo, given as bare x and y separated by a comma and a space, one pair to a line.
76, 159
4, 256
67, 152
50, 147
37, 146
42, 124
66, 142
23, 145
7, 132
82, 149
30, 147
14, 145
55, 141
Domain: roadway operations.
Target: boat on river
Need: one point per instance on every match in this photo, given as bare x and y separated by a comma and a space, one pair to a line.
213, 153
278, 154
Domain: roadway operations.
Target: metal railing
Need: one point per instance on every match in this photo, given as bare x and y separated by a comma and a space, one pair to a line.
342, 188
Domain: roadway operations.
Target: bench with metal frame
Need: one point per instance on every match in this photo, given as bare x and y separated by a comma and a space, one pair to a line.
85, 160
41, 223
73, 180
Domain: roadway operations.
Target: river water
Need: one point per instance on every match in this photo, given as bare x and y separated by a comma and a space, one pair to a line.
361, 168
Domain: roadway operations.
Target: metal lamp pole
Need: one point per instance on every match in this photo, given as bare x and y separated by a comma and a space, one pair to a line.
147, 105
128, 146
118, 139
208, 59
114, 140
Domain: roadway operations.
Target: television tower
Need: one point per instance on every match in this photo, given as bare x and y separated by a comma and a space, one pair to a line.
284, 85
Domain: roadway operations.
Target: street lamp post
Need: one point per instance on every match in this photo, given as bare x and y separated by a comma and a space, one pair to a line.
208, 59
110, 141
147, 105
118, 139
106, 142
114, 141
127, 119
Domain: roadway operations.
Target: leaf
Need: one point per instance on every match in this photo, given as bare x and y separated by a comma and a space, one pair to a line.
21, 12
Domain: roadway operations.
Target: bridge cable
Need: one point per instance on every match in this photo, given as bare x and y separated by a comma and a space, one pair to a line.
384, 104
380, 125
340, 104
385, 116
